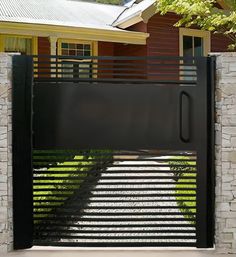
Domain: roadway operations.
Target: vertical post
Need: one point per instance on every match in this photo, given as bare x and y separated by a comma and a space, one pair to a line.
203, 127
54, 52
211, 71
22, 152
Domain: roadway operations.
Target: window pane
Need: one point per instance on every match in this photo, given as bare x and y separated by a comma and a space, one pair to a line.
188, 52
187, 46
87, 47
80, 53
72, 46
198, 46
18, 45
65, 52
79, 46
64, 45
86, 53
72, 52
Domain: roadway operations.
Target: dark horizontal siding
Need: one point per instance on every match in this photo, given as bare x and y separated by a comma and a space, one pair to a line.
44, 49
164, 37
105, 49
130, 50
141, 27
219, 43
43, 46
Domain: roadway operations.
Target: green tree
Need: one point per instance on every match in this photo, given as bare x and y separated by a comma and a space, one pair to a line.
205, 15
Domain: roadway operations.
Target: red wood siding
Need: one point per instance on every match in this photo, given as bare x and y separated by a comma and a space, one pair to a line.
219, 43
105, 48
129, 50
132, 50
43, 45
44, 49
164, 37
141, 26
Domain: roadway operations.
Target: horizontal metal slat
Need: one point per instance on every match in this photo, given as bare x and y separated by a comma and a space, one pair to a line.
120, 165
114, 244
117, 237
114, 159
67, 231
96, 172
118, 195
106, 218
116, 189
113, 153
114, 81
57, 223
116, 201
56, 182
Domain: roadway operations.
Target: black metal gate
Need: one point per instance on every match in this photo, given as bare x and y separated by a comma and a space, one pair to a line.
122, 151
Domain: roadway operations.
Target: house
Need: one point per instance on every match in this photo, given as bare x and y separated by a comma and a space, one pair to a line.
72, 27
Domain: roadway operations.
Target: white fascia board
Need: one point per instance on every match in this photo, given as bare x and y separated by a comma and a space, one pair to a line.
128, 20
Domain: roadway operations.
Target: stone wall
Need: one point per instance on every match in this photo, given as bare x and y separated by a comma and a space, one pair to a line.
226, 153
6, 237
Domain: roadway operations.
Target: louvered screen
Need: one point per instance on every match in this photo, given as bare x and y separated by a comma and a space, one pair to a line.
114, 198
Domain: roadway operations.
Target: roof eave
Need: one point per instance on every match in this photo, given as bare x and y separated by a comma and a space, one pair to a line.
137, 17
93, 34
128, 21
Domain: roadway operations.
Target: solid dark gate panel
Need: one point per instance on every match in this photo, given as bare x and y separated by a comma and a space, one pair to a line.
121, 151
114, 116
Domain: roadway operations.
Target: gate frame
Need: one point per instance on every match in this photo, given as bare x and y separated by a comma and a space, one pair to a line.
22, 154
22, 151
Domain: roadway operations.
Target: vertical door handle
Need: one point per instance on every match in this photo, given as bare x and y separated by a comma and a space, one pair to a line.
184, 117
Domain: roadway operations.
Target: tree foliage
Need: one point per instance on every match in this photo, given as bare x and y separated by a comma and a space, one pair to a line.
204, 14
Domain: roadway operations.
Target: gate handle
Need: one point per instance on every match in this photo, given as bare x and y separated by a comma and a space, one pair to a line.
184, 117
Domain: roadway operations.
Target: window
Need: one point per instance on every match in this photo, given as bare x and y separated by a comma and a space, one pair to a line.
18, 44
77, 68
193, 46
194, 42
71, 49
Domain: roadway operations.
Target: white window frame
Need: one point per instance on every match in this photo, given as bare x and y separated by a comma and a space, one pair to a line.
205, 35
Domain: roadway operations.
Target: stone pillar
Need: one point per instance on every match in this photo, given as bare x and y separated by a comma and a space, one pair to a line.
226, 153
6, 236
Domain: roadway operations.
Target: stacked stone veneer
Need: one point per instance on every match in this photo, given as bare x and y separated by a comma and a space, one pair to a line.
226, 153
6, 237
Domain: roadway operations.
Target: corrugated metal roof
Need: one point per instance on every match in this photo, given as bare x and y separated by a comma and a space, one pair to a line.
72, 13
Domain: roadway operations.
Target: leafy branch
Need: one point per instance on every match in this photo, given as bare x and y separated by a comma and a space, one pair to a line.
205, 15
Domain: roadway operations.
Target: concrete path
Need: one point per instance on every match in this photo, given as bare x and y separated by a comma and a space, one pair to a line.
75, 252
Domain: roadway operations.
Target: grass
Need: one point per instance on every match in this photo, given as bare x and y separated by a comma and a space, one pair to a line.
186, 178
47, 202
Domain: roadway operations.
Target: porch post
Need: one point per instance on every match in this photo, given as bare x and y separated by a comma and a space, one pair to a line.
53, 51
53, 48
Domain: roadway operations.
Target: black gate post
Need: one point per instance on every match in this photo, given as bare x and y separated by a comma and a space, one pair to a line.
22, 151
205, 152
